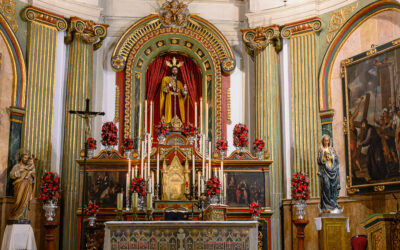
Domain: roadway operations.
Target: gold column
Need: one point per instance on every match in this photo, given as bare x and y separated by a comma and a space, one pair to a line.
43, 27
306, 127
263, 44
84, 37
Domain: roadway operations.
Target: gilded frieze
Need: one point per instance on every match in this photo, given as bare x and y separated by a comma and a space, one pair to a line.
337, 20
7, 8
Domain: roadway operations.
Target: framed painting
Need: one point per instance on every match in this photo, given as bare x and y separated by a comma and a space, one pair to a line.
371, 83
246, 187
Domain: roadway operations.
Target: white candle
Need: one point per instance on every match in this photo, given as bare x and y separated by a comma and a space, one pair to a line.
201, 115
198, 184
195, 114
222, 174
209, 153
142, 161
135, 175
134, 200
140, 121
193, 170
224, 184
207, 172
151, 117
129, 169
145, 171
158, 168
127, 185
145, 116
152, 183
203, 158
206, 124
148, 155
119, 201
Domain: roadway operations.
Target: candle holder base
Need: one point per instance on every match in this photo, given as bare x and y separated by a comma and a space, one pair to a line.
119, 216
149, 214
134, 214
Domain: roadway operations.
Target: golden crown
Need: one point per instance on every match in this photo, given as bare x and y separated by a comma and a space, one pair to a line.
174, 63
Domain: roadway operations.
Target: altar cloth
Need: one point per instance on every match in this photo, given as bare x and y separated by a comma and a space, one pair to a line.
18, 236
181, 235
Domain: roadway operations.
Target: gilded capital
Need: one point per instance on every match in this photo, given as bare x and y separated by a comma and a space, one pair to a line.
89, 31
34, 14
259, 38
308, 25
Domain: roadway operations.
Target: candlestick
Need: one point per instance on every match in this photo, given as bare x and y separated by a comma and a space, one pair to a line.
225, 185
142, 161
203, 158
119, 201
151, 118
140, 121
193, 169
135, 174
207, 172
152, 183
145, 116
127, 191
209, 156
198, 185
206, 124
148, 155
158, 169
134, 200
149, 201
201, 115
195, 115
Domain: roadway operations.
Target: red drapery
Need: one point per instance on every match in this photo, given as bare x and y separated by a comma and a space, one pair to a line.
189, 74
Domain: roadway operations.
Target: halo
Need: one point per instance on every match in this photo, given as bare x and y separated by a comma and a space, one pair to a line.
174, 63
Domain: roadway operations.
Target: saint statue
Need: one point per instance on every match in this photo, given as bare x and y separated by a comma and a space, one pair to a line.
328, 173
23, 174
173, 95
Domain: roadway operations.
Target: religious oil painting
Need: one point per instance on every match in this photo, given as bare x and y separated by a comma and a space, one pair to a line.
372, 98
102, 187
244, 188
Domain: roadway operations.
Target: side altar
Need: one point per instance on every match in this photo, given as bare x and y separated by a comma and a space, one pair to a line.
175, 177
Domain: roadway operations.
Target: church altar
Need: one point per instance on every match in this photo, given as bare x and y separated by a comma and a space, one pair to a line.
181, 235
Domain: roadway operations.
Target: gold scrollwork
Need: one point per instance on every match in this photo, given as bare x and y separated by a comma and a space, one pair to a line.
228, 106
89, 31
337, 19
379, 188
260, 37
7, 7
396, 42
117, 100
345, 126
371, 52
343, 65
351, 190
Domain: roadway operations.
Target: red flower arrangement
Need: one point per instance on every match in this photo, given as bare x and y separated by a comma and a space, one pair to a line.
138, 186
190, 130
255, 209
213, 186
92, 209
109, 134
258, 145
128, 144
300, 182
161, 129
240, 135
222, 145
91, 143
50, 187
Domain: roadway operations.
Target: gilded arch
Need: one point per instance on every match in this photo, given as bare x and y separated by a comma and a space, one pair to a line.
147, 39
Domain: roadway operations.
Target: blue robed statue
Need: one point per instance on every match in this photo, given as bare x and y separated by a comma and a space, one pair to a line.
328, 173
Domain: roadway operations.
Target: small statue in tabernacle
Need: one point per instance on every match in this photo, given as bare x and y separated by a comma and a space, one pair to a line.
328, 173
23, 174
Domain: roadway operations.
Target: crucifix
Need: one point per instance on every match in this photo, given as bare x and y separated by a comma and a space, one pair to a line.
86, 115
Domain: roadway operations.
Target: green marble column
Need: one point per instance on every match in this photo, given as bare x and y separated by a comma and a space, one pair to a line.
263, 45
84, 37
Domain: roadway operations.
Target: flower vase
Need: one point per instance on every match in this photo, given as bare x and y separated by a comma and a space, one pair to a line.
50, 209
109, 148
214, 199
92, 220
260, 155
223, 154
191, 139
300, 206
141, 203
255, 217
239, 148
161, 138
90, 153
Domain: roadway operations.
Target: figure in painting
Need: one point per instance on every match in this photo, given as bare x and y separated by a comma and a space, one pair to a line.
173, 95
23, 174
328, 173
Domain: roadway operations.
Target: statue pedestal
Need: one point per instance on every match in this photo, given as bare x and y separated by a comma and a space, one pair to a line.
19, 236
379, 230
50, 234
300, 225
215, 213
332, 231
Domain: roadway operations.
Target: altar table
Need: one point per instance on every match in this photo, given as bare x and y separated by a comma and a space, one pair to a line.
181, 235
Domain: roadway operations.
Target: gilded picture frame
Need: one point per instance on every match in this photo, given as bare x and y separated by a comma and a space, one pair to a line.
371, 83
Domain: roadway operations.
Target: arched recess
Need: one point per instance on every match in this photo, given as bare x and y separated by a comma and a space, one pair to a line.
147, 39
337, 42
12, 85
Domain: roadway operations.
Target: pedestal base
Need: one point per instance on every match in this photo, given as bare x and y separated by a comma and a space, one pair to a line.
300, 225
215, 213
50, 234
332, 232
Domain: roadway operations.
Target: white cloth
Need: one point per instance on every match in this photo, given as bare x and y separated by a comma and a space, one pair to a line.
318, 224
18, 236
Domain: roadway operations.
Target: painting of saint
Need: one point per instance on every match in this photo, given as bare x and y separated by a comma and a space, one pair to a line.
244, 188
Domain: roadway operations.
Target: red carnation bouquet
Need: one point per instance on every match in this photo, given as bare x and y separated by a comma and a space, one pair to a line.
109, 134
50, 187
258, 145
300, 182
213, 186
138, 185
128, 144
255, 209
222, 145
161, 129
240, 135
91, 143
190, 130
92, 209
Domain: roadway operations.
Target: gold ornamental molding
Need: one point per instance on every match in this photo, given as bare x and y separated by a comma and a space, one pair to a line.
300, 27
7, 8
260, 37
34, 14
89, 31
337, 20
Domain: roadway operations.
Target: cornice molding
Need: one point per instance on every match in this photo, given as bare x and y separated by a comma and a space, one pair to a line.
34, 14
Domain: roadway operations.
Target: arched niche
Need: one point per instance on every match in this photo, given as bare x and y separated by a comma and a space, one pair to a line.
146, 40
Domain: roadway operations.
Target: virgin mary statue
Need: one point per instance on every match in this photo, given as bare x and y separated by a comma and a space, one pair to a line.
328, 173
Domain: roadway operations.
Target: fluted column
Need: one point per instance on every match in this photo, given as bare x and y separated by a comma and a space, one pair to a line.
84, 37
43, 27
306, 127
263, 45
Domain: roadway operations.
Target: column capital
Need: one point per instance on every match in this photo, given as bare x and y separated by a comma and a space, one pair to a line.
88, 30
313, 24
34, 14
260, 37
